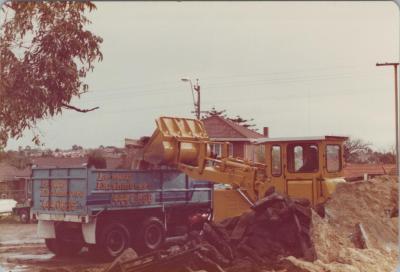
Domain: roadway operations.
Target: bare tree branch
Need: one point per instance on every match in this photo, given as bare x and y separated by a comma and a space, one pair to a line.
78, 109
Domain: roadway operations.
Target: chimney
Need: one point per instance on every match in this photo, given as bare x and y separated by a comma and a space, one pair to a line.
266, 132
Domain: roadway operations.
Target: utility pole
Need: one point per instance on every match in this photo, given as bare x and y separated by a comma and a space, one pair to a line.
395, 65
195, 88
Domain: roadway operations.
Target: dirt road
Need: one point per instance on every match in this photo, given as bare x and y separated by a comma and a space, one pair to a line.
21, 250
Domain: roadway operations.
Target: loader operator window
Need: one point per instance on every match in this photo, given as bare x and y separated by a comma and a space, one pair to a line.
333, 158
303, 158
276, 161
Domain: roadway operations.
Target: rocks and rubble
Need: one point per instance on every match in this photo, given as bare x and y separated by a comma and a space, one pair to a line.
277, 226
358, 233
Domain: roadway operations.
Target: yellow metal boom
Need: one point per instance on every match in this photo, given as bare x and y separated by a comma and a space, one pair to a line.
184, 143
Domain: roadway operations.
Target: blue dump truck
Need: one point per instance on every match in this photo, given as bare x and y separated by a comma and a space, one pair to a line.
111, 210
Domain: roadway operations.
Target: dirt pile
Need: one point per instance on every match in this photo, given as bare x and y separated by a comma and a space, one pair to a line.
365, 211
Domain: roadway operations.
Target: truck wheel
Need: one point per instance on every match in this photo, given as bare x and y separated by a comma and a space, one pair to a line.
114, 239
151, 235
51, 245
24, 216
63, 248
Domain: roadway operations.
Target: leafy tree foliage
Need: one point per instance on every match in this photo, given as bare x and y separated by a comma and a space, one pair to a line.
76, 147
45, 54
214, 112
97, 160
243, 122
237, 119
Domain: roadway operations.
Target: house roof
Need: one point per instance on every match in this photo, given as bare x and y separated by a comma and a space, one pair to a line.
218, 127
9, 172
300, 139
352, 170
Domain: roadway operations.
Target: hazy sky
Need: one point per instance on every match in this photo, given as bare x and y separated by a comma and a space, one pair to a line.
300, 68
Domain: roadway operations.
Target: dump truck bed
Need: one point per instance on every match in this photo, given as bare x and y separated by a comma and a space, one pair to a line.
73, 194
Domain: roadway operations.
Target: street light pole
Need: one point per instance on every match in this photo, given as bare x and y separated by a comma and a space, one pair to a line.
194, 88
395, 65
197, 89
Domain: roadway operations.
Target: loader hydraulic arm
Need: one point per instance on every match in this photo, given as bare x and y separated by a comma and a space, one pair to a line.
184, 143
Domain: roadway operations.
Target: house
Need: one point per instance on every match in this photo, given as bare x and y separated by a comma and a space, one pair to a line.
112, 163
14, 182
240, 138
355, 171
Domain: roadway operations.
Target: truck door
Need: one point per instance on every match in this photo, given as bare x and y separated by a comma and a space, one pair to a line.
302, 168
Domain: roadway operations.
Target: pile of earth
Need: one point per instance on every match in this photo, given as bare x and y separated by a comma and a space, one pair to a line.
359, 231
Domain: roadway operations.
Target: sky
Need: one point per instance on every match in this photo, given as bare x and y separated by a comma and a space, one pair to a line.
299, 68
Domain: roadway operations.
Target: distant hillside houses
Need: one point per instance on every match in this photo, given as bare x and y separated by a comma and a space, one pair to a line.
75, 152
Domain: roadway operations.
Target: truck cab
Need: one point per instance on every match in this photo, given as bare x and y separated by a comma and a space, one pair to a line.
308, 167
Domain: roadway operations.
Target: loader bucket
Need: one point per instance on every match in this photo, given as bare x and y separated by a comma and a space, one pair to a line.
176, 140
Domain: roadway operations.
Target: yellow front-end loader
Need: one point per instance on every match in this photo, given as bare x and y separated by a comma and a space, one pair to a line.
299, 167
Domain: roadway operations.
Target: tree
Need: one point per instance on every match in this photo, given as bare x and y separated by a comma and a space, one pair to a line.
45, 54
243, 122
237, 119
96, 159
76, 147
383, 156
214, 112
354, 149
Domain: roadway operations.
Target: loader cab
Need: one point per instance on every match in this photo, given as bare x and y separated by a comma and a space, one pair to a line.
303, 167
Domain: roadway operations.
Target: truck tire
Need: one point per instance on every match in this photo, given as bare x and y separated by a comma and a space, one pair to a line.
63, 248
113, 240
24, 216
151, 235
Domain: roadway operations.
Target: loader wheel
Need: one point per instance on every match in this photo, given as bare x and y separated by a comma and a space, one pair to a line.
151, 235
114, 239
63, 248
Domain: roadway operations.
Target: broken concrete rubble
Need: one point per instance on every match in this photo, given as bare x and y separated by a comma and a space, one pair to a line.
277, 226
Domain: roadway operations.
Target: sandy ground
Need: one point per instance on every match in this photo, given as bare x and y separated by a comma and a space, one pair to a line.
22, 250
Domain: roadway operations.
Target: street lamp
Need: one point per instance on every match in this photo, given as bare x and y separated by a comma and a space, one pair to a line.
395, 65
194, 88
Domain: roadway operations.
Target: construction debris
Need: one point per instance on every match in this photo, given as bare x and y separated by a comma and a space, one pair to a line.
276, 227
358, 233
360, 238
128, 254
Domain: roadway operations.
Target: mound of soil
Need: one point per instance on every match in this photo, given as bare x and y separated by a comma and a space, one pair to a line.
336, 238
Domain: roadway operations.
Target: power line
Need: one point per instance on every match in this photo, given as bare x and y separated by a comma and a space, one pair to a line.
133, 93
